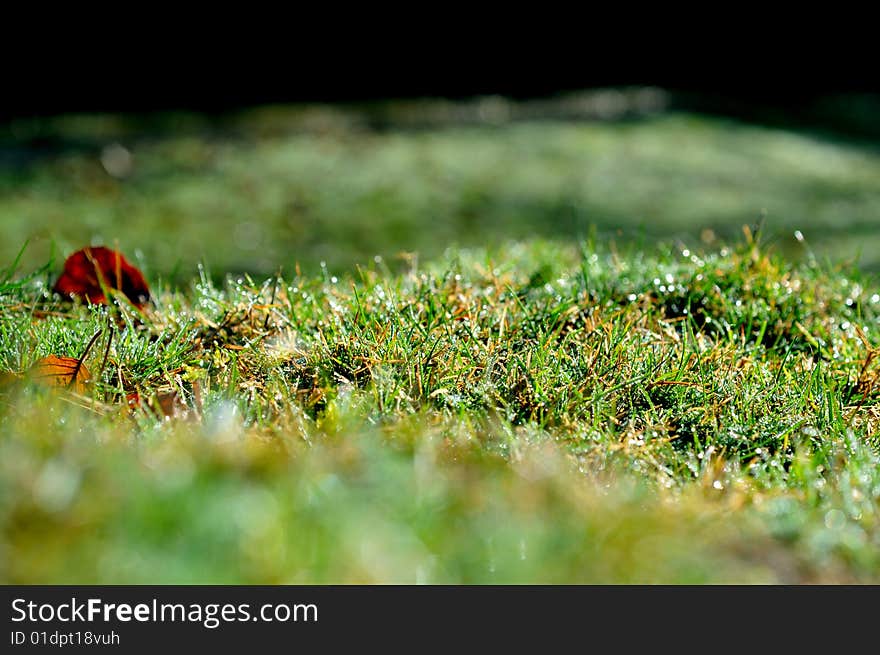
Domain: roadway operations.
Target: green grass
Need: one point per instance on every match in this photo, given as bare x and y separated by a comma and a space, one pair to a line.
537, 414
484, 353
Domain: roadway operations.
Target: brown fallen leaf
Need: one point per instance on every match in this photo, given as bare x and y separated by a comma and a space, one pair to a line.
67, 372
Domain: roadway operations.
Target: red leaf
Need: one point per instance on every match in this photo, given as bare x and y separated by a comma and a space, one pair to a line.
86, 270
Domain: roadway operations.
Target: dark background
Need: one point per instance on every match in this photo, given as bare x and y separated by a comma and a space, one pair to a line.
750, 66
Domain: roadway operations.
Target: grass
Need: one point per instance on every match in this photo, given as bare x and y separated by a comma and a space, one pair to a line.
541, 414
535, 351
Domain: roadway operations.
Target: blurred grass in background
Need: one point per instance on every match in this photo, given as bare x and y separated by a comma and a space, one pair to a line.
273, 186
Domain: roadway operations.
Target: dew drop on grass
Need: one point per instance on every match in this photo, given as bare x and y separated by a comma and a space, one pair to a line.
835, 519
56, 485
223, 422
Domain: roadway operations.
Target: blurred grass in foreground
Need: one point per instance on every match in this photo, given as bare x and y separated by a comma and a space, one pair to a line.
360, 509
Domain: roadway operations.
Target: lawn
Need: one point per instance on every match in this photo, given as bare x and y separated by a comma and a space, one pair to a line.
527, 352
